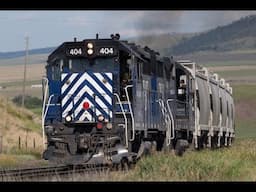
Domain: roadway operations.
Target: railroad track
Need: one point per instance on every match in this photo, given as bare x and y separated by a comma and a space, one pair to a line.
36, 173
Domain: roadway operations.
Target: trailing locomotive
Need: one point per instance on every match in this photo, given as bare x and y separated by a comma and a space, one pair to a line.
107, 100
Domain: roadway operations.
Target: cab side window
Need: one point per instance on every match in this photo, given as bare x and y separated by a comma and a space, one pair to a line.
56, 70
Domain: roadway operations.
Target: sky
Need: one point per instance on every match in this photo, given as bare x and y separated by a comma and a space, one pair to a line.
51, 28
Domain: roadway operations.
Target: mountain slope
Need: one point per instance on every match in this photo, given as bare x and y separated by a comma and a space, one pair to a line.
163, 42
235, 36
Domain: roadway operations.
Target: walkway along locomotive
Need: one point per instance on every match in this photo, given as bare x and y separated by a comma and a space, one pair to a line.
106, 100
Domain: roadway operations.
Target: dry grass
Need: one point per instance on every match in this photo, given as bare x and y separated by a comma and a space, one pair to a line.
16, 72
236, 163
17, 122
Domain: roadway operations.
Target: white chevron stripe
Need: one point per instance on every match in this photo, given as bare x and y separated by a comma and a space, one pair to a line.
107, 85
80, 93
99, 89
97, 100
110, 75
63, 76
73, 89
79, 108
89, 91
71, 79
85, 114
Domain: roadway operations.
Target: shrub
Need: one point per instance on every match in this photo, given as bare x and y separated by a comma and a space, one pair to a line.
29, 101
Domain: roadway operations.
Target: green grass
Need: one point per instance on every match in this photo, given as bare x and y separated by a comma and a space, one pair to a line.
37, 111
20, 83
238, 73
13, 91
245, 128
245, 97
21, 159
228, 63
236, 163
244, 93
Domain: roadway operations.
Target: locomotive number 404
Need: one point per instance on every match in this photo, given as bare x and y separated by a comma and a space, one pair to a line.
106, 50
75, 51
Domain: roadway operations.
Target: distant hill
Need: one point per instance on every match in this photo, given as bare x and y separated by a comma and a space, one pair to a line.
160, 43
163, 42
239, 35
14, 54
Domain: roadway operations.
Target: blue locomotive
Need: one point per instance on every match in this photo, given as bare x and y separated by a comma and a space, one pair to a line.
107, 100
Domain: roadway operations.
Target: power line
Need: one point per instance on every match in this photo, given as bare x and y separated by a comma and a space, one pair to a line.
25, 71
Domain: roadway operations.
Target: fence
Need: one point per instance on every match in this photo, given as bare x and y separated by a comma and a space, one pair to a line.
24, 143
21, 144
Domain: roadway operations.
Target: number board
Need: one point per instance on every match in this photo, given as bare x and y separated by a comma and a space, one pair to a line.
106, 51
75, 51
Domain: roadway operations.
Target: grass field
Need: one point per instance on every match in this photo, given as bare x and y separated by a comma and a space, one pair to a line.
236, 163
32, 59
245, 104
13, 91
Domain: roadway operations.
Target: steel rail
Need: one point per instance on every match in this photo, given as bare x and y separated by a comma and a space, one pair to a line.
20, 174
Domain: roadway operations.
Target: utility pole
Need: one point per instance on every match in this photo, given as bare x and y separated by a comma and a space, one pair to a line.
25, 71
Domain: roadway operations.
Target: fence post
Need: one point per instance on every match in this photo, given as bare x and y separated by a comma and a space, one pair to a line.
1, 144
19, 143
26, 142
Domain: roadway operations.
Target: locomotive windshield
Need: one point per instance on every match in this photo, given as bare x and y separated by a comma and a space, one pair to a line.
92, 65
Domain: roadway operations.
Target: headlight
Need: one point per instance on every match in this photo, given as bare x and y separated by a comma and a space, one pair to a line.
90, 45
100, 118
90, 51
68, 118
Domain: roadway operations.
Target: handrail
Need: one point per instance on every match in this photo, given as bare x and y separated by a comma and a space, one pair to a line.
166, 119
172, 119
125, 119
48, 104
46, 81
130, 108
44, 115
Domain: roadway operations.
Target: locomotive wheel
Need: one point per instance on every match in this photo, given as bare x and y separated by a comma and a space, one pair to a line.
122, 166
200, 142
48, 153
147, 148
125, 164
179, 150
180, 147
222, 141
214, 142
160, 142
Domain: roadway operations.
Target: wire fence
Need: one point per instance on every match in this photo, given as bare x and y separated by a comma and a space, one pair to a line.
22, 144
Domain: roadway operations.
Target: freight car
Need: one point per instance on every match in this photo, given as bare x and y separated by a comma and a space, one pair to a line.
107, 100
